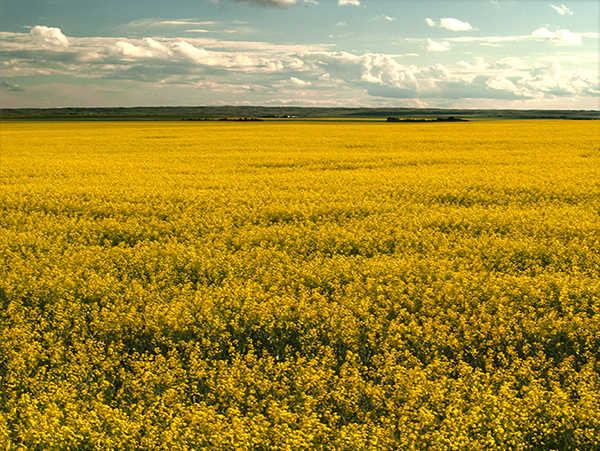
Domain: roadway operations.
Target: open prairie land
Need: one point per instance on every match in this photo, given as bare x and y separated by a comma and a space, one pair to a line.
294, 286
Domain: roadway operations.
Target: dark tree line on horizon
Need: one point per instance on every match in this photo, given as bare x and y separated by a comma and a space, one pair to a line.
255, 112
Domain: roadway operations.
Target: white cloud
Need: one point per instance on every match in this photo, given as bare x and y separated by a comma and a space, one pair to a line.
573, 58
511, 63
562, 10
433, 46
542, 81
298, 82
450, 24
558, 37
188, 50
148, 49
550, 79
186, 22
384, 17
242, 61
157, 49
440, 72
479, 66
501, 83
51, 35
129, 50
275, 3
455, 25
561, 37
349, 2
147, 24
241, 70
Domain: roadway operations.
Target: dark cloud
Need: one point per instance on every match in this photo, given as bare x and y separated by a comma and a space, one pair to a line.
41, 56
11, 87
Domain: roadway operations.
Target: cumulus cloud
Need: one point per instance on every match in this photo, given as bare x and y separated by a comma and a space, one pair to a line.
561, 37
440, 72
433, 46
455, 25
562, 10
51, 35
501, 83
148, 49
510, 63
234, 67
157, 49
298, 82
194, 53
542, 81
384, 17
550, 79
349, 2
450, 24
479, 66
129, 50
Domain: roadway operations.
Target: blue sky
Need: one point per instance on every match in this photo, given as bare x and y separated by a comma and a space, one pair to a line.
353, 53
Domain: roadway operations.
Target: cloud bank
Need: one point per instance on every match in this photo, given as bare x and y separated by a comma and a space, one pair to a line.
299, 73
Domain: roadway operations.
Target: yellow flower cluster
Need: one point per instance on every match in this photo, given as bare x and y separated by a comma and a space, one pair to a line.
296, 285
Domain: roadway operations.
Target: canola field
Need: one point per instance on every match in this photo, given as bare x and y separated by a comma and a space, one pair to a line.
300, 286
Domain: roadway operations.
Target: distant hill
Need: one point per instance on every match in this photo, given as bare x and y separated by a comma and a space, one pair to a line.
233, 112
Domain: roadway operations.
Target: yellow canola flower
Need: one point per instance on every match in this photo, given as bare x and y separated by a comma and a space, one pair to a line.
299, 285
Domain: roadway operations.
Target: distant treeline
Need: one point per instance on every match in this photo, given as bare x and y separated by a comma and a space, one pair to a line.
287, 112
439, 119
239, 119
